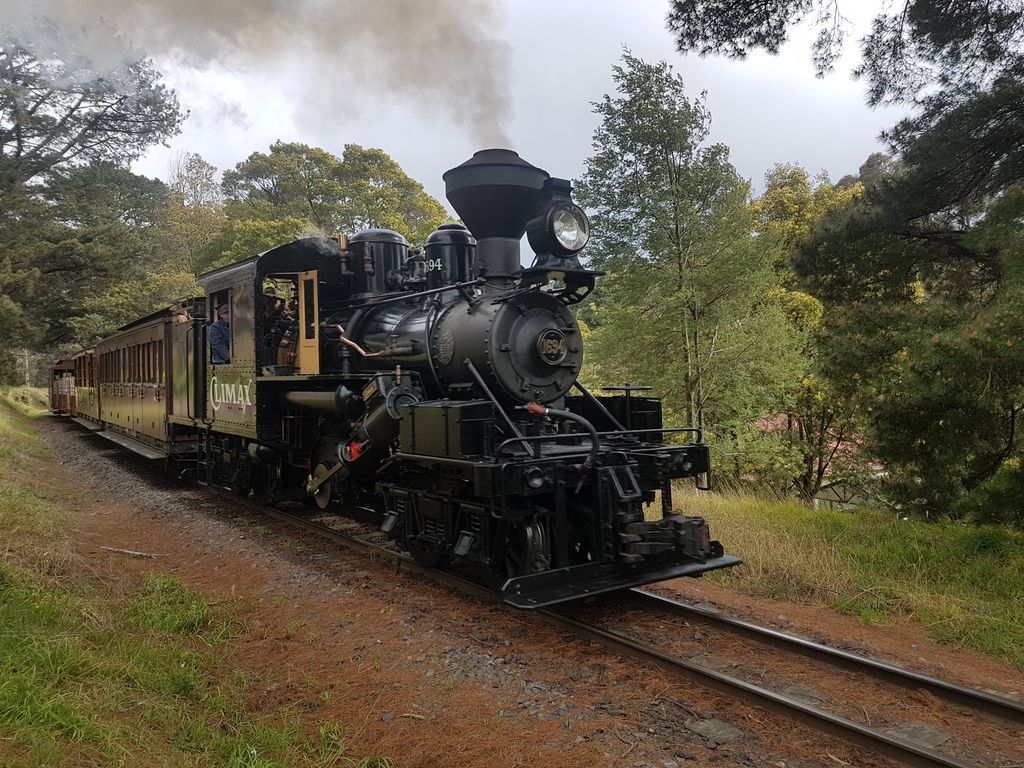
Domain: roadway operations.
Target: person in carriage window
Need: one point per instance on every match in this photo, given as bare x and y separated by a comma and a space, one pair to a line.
220, 336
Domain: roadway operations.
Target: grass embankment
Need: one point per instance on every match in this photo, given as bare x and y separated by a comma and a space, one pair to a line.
92, 675
965, 583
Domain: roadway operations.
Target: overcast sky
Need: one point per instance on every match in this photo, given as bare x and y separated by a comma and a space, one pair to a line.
556, 59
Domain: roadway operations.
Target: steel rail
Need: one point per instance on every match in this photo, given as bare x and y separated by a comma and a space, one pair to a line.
876, 741
974, 698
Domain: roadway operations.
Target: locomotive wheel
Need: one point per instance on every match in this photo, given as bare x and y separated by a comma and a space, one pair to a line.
261, 484
240, 477
322, 497
528, 549
241, 485
323, 459
424, 554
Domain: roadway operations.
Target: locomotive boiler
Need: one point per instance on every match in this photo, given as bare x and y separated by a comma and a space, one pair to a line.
438, 386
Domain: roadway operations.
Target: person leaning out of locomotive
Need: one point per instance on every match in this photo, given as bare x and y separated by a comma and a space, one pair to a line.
277, 323
269, 310
220, 336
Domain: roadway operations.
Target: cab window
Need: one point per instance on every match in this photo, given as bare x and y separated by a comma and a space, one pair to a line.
219, 333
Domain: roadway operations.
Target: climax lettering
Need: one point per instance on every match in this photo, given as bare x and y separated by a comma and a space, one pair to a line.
229, 394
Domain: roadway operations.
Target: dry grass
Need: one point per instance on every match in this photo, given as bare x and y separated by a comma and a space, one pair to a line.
965, 583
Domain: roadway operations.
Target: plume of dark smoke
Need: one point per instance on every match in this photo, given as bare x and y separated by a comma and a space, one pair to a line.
441, 55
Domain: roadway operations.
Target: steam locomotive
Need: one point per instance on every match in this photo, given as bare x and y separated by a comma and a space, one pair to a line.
438, 386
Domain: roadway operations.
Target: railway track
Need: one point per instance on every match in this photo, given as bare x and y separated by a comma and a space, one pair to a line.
357, 536
973, 698
365, 538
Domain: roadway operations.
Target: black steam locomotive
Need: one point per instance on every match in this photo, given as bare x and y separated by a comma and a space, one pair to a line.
435, 386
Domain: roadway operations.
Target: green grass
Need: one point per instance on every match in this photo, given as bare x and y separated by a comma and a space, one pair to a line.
90, 675
964, 583
165, 605
29, 401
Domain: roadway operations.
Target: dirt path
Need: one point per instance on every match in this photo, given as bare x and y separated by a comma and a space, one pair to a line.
425, 676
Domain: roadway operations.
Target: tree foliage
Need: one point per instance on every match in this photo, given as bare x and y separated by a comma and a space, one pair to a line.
916, 49
103, 229
924, 327
691, 301
72, 219
195, 217
365, 188
920, 275
246, 237
735, 28
818, 420
960, 65
57, 109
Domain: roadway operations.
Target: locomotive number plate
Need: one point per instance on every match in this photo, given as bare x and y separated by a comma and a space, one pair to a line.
552, 346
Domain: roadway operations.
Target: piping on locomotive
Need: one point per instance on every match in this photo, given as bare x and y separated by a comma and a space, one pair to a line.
437, 386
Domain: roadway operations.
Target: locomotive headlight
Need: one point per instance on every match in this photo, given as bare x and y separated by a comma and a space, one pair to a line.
569, 226
563, 230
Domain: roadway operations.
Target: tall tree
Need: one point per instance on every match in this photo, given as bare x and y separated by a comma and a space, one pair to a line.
818, 419
924, 319
364, 188
292, 180
100, 231
182, 236
69, 213
689, 303
57, 109
378, 193
919, 275
195, 218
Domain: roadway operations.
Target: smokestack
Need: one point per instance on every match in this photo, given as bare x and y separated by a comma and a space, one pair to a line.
495, 192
